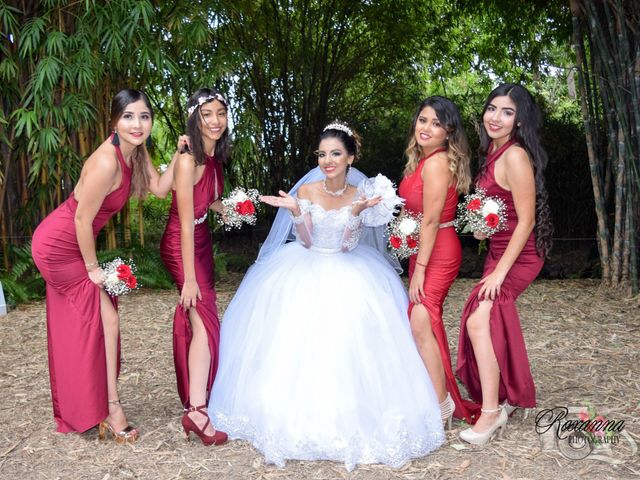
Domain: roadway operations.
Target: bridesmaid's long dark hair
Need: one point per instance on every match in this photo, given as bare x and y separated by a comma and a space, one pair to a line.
223, 146
526, 132
140, 176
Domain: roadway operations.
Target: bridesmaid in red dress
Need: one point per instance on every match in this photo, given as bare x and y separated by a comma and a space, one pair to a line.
492, 357
437, 171
83, 330
186, 250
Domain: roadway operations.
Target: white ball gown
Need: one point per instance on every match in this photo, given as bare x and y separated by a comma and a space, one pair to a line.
317, 360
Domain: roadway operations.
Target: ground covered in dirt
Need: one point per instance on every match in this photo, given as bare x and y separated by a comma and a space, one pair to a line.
583, 347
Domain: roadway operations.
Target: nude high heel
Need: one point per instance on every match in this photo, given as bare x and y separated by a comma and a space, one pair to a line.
482, 438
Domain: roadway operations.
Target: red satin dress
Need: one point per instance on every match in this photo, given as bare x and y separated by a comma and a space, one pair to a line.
77, 361
442, 270
516, 382
205, 192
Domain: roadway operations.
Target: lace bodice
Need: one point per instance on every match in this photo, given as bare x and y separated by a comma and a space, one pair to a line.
330, 230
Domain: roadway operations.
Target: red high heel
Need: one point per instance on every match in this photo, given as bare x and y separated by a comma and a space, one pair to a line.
189, 425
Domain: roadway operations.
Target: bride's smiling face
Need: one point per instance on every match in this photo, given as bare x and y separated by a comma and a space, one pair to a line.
333, 157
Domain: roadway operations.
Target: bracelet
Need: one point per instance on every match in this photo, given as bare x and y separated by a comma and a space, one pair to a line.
89, 266
421, 264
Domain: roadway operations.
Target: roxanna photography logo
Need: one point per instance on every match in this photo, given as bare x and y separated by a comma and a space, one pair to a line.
580, 432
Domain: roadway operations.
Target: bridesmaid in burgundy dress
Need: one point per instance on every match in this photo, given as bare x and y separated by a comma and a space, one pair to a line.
82, 321
186, 250
492, 357
437, 171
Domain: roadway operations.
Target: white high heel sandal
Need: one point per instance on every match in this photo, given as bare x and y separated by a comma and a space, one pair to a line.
481, 438
447, 407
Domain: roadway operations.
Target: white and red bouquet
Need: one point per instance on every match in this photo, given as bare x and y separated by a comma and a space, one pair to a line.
119, 277
480, 213
404, 234
239, 207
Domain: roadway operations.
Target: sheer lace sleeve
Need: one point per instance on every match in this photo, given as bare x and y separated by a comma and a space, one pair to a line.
303, 225
352, 232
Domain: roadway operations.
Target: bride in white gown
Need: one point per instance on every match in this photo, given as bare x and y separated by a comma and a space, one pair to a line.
317, 360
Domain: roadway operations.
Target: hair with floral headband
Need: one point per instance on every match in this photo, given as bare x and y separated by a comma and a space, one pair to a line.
206, 99
194, 129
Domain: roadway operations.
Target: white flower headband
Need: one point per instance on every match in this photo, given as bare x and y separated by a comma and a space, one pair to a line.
339, 126
206, 99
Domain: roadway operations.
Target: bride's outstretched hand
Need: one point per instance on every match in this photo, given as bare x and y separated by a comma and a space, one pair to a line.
362, 204
284, 200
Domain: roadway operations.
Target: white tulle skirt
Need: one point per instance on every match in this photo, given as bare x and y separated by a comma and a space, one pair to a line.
317, 362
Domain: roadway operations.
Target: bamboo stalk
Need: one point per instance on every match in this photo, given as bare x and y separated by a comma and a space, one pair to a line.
619, 212
603, 231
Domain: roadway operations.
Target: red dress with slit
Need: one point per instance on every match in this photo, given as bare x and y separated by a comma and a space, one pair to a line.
75, 338
516, 382
205, 192
442, 269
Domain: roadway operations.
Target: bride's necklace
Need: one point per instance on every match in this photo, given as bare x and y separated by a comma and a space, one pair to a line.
337, 193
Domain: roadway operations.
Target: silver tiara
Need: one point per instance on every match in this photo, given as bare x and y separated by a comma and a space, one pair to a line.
339, 126
206, 99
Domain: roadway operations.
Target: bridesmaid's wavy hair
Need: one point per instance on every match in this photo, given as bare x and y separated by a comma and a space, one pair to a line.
458, 153
351, 142
140, 176
526, 132
194, 131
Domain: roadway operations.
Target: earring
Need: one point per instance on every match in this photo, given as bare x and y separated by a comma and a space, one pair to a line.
149, 142
115, 139
348, 168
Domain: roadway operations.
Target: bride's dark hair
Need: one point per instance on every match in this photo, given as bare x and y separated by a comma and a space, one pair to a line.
347, 135
223, 146
526, 132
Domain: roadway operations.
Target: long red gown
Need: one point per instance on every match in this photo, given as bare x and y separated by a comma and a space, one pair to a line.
516, 382
77, 362
205, 192
442, 270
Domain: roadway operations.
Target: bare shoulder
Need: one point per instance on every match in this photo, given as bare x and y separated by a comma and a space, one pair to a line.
185, 160
517, 157
436, 166
103, 160
306, 191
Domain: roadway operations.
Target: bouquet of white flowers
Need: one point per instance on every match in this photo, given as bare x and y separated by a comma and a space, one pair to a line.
119, 277
404, 234
480, 213
239, 208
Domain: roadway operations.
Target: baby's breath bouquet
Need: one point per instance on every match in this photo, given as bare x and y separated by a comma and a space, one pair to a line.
404, 234
480, 213
239, 208
119, 277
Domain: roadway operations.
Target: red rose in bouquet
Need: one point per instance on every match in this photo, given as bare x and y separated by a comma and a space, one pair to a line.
492, 220
411, 242
474, 205
132, 282
245, 208
124, 271
395, 241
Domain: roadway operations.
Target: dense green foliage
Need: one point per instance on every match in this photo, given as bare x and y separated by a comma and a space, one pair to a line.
288, 68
